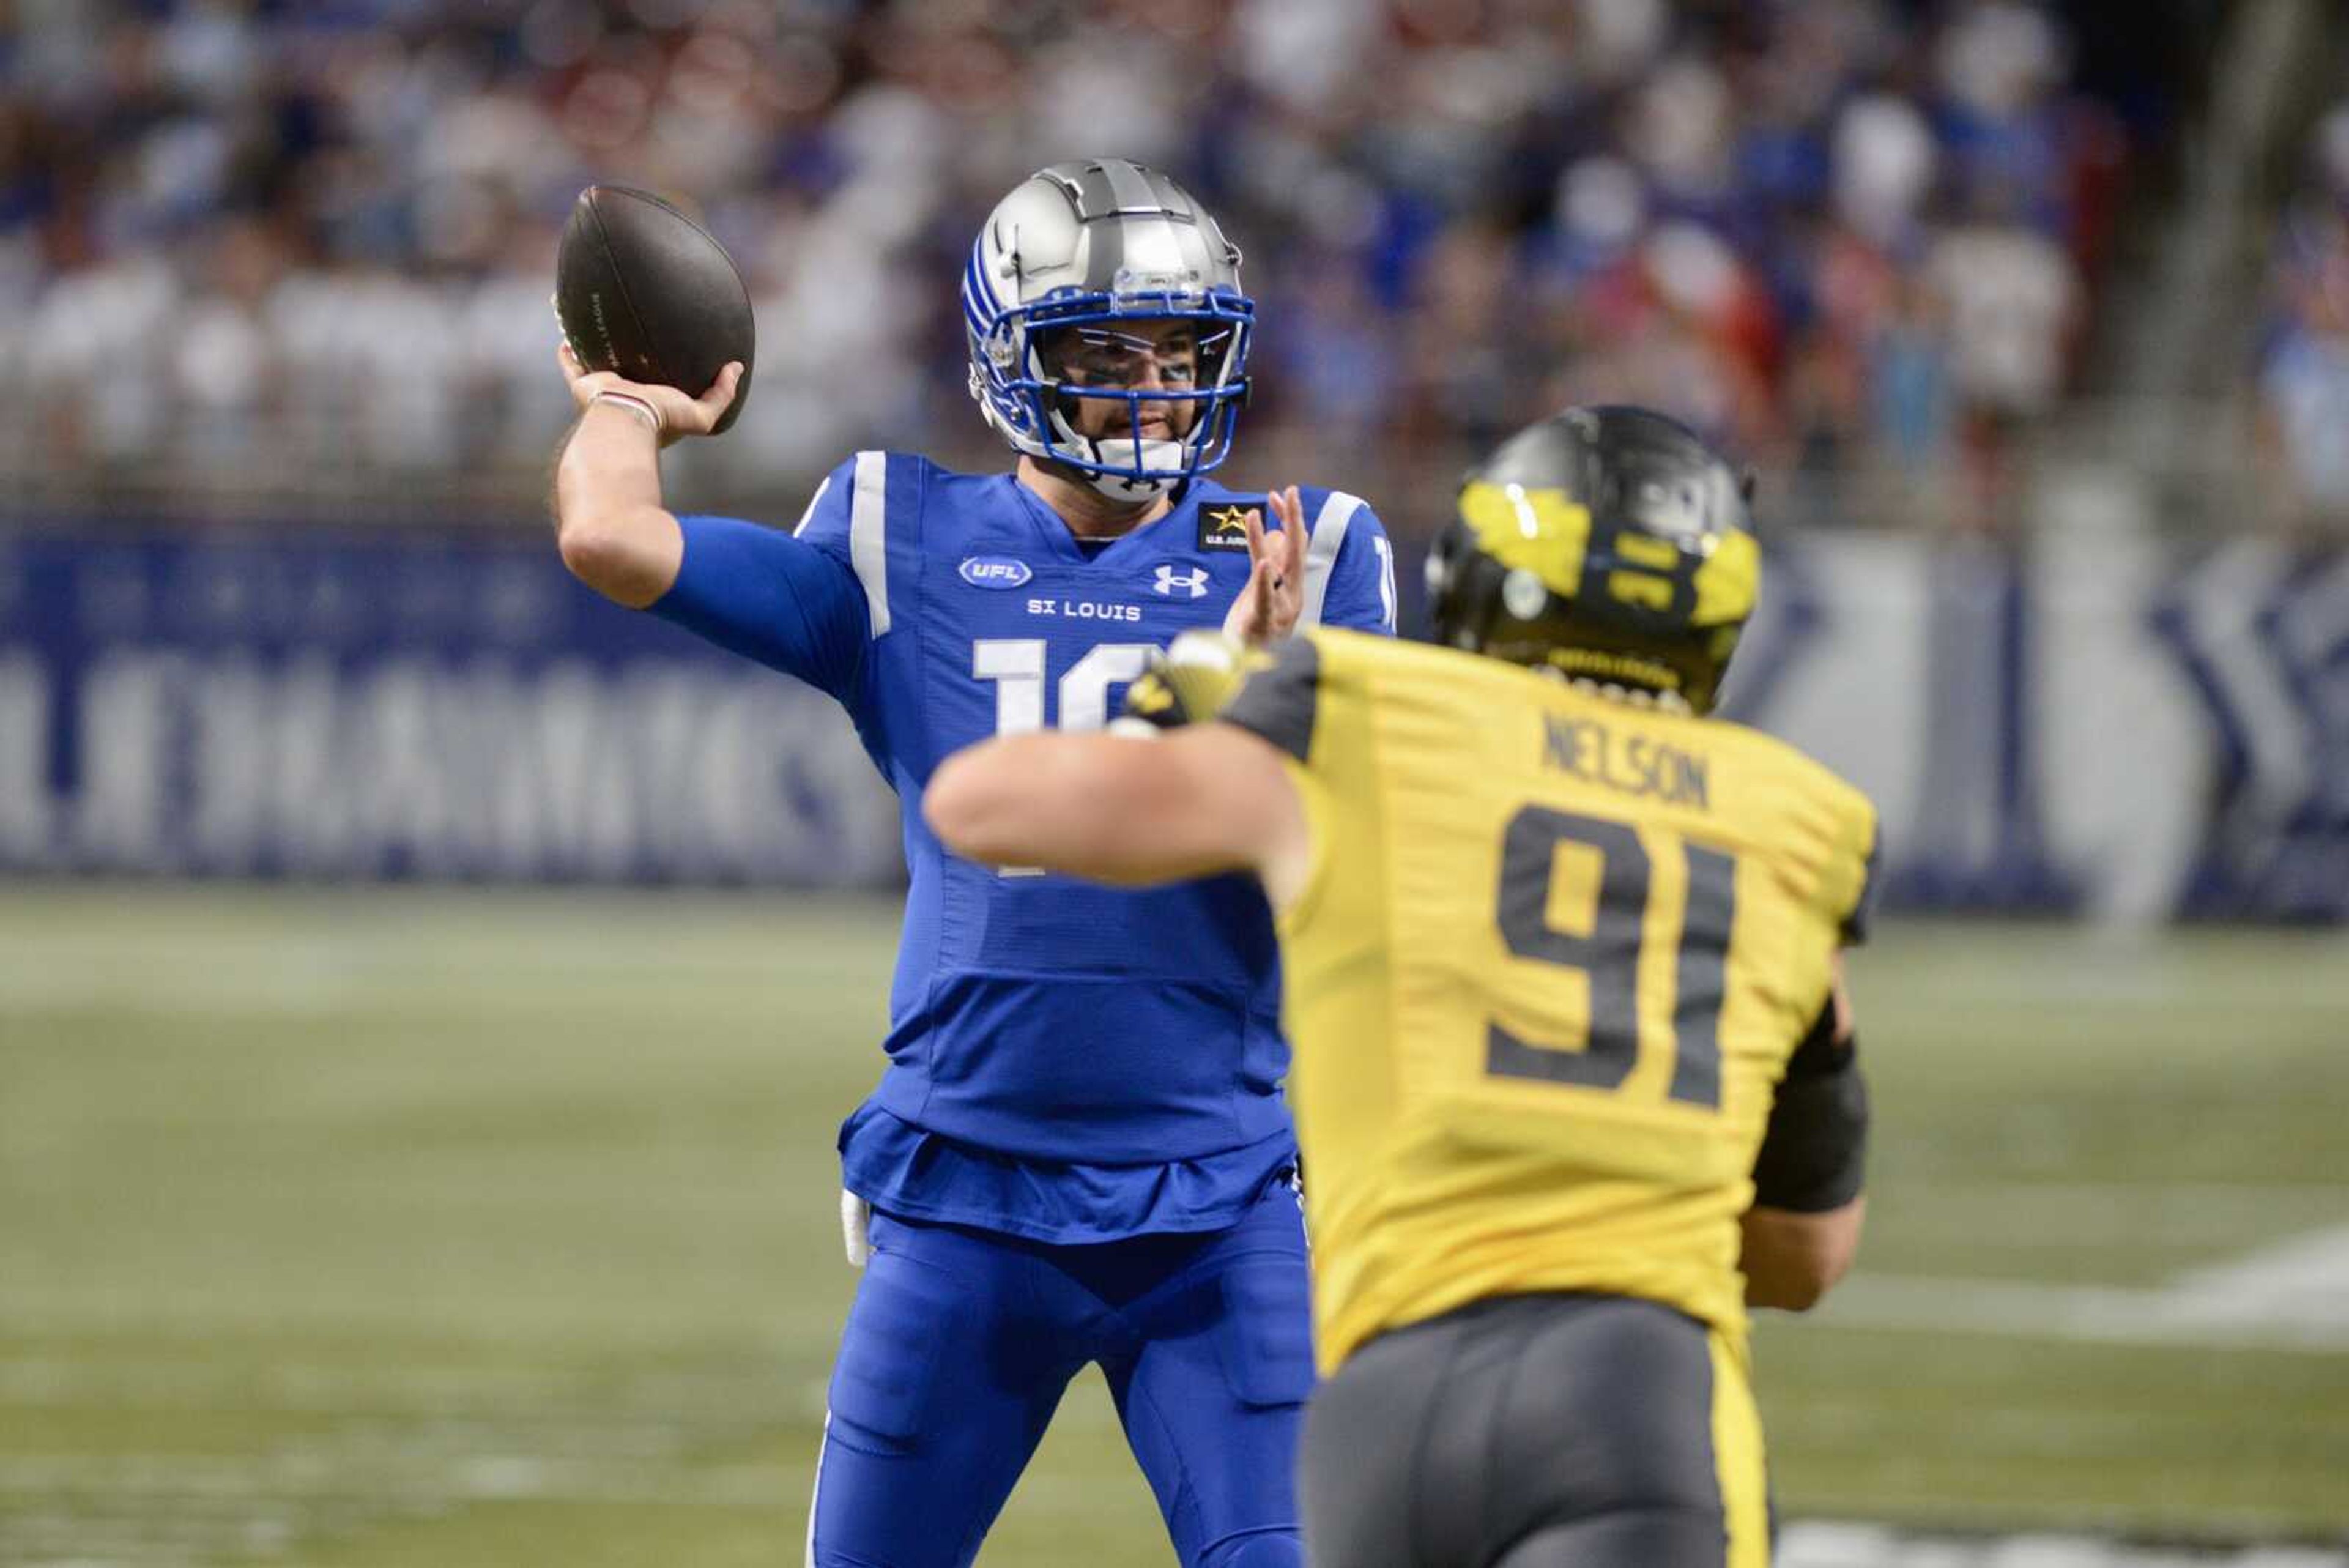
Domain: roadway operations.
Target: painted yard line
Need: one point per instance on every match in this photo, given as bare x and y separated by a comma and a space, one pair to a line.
2303, 1279
2287, 1296
2086, 1313
1827, 1544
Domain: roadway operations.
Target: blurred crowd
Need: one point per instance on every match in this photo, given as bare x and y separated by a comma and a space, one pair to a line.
248, 239
2303, 378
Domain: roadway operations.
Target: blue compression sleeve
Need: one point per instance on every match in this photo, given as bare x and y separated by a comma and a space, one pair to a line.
762, 594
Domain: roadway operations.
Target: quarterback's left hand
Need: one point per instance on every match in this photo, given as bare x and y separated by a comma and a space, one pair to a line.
1267, 608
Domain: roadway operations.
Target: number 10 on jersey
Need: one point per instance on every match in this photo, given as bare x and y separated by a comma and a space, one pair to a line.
1016, 667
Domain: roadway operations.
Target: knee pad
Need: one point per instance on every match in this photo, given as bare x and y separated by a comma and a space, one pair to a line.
884, 1381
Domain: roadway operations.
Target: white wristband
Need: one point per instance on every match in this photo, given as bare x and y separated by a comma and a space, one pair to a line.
634, 404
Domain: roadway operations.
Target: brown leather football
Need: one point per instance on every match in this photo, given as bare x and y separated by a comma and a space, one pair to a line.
642, 289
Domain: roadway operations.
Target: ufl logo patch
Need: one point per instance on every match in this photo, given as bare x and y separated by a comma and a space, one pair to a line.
994, 572
1224, 527
1166, 582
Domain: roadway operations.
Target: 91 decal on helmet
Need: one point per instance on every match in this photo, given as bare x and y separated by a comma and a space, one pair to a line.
1103, 286
1606, 544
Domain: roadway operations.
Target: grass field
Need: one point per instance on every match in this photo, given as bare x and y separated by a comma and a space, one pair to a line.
433, 1229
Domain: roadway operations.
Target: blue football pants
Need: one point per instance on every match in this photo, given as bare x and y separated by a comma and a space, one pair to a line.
961, 1341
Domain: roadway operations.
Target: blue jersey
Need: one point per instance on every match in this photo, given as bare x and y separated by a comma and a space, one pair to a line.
1066, 1062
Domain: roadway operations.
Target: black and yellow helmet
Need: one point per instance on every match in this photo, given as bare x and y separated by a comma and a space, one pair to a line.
1604, 542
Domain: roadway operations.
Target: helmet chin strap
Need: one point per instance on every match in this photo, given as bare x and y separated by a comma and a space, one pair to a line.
1137, 492
1153, 454
1118, 487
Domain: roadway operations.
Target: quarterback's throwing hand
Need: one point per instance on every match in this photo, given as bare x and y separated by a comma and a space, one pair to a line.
668, 413
1267, 608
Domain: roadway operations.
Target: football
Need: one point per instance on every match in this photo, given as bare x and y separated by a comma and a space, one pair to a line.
642, 289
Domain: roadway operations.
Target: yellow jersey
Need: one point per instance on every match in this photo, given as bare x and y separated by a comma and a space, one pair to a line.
1546, 969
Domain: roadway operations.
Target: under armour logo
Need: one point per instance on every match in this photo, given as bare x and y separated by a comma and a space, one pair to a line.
1192, 584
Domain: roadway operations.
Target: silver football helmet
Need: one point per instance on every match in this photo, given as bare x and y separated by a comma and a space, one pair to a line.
1062, 268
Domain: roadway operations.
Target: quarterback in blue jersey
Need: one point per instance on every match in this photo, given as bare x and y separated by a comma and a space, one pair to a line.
1078, 1152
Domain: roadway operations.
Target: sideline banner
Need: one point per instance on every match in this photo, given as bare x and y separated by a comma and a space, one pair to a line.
2097, 724
381, 706
2094, 722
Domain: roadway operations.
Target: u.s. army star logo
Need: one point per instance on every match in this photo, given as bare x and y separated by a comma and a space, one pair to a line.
1224, 527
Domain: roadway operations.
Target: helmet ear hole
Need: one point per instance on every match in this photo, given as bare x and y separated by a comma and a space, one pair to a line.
1522, 594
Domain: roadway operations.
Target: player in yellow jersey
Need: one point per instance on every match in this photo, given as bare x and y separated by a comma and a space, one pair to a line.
1574, 1072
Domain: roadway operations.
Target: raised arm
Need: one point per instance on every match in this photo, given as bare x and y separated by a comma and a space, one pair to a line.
793, 604
615, 534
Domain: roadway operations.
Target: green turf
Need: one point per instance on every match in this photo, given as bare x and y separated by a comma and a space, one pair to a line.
390, 1229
